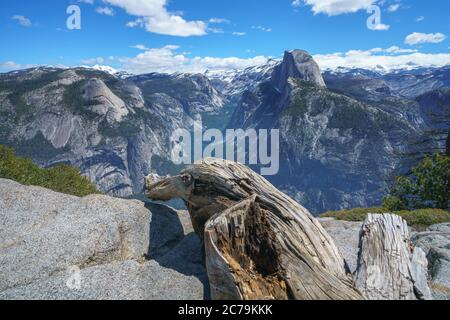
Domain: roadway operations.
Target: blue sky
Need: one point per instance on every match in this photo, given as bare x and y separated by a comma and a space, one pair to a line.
195, 35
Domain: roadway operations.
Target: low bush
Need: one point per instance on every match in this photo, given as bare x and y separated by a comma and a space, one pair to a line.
419, 219
61, 178
428, 186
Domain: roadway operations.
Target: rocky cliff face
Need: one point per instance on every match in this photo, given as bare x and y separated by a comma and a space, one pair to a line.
235, 82
344, 133
337, 150
115, 130
260, 105
419, 95
401, 83
297, 64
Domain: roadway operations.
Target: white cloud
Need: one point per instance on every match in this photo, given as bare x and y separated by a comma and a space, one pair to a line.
154, 17
421, 18
394, 7
239, 34
336, 7
395, 49
219, 20
10, 65
22, 20
167, 60
93, 61
296, 3
215, 30
417, 38
391, 50
381, 27
105, 11
261, 28
139, 47
389, 59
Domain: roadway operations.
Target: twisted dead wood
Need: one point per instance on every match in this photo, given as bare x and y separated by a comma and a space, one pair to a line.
389, 267
259, 243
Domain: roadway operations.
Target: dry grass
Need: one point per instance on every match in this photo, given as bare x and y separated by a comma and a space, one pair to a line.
419, 219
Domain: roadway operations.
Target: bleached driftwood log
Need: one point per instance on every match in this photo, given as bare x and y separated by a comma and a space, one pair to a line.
259, 243
389, 268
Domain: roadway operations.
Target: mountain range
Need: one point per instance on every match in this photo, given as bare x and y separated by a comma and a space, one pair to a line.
344, 133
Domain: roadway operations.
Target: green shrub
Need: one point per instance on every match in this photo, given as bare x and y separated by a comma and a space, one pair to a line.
61, 178
428, 186
393, 203
423, 218
357, 214
419, 219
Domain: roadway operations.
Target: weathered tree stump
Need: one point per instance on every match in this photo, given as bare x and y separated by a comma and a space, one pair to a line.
259, 243
389, 268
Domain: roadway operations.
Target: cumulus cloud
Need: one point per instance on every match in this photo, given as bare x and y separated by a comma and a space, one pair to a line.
215, 30
107, 11
377, 58
336, 7
9, 65
12, 65
93, 61
417, 38
396, 49
22, 20
394, 7
167, 60
153, 16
